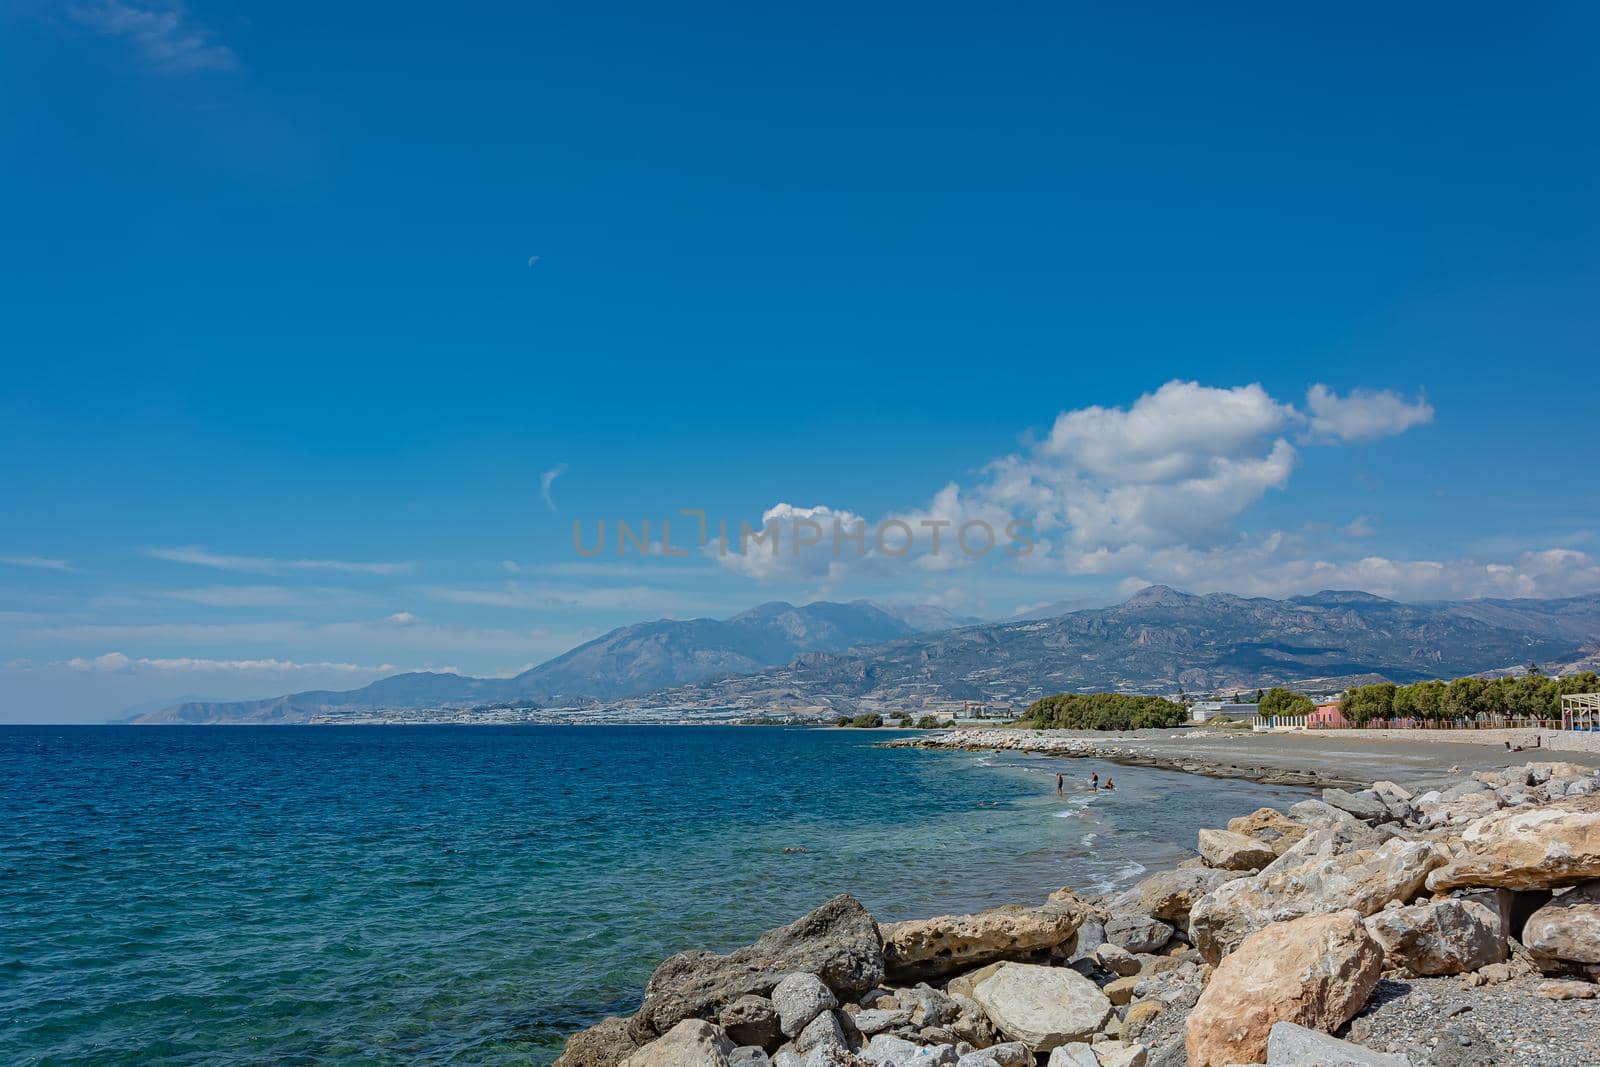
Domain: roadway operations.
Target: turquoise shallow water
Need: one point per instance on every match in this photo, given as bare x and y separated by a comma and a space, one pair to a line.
431, 895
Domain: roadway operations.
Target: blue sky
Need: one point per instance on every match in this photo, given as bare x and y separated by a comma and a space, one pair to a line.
280, 383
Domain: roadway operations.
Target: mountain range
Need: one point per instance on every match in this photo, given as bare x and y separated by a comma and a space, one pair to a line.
825, 658
627, 661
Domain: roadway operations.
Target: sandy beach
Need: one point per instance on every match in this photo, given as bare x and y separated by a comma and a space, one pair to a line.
1313, 758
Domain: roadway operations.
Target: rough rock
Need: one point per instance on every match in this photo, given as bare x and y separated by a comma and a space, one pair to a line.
1121, 1054
964, 984
1043, 1007
605, 1044
1316, 813
1117, 960
1568, 990
823, 1031
947, 944
1008, 1054
1074, 1054
799, 998
1292, 1045
691, 1043
1568, 927
1461, 810
1269, 825
1309, 879
877, 1020
1120, 990
1169, 895
1141, 1015
1091, 935
838, 942
749, 1056
1528, 848
1317, 971
886, 1050
930, 1007
751, 1020
1365, 805
1439, 937
1229, 851
1137, 933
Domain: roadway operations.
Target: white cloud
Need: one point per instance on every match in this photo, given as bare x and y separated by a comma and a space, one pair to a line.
548, 479
1363, 414
42, 563
163, 36
402, 618
196, 556
1180, 431
117, 662
241, 596
1280, 565
526, 596
1177, 468
1360, 526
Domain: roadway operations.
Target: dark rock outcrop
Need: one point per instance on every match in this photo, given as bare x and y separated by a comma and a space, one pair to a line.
838, 942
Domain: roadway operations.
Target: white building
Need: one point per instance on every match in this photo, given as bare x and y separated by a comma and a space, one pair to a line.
1201, 710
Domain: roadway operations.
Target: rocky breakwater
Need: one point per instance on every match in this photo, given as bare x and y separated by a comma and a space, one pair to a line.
1129, 751
1375, 926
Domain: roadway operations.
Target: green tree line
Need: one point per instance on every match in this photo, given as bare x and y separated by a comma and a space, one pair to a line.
1531, 695
1102, 711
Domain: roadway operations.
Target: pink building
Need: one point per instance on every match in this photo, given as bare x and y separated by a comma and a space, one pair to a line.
1326, 717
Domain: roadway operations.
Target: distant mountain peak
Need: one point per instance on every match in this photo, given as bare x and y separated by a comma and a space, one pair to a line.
1340, 596
1157, 596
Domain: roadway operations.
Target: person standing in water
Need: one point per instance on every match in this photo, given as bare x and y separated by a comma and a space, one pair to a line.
1060, 783
1094, 780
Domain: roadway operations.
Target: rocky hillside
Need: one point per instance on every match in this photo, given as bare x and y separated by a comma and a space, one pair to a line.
827, 657
629, 660
1161, 639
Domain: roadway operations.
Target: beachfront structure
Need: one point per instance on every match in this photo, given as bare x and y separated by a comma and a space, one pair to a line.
1201, 710
1580, 711
1326, 717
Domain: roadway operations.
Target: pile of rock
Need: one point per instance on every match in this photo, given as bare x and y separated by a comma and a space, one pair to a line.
1256, 951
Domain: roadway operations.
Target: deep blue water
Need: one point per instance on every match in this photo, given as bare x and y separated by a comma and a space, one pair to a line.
426, 895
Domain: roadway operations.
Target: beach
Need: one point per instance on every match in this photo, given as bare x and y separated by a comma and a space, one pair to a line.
1311, 757
1417, 910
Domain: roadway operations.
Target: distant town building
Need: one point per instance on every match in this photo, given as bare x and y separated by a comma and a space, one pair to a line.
1580, 711
1202, 710
1326, 717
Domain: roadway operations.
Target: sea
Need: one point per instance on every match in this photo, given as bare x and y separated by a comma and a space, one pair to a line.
473, 894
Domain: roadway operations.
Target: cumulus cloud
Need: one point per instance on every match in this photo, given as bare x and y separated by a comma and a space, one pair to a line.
163, 36
1362, 414
1180, 431
196, 556
1175, 469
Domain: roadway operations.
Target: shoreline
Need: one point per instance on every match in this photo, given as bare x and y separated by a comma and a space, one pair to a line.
1156, 966
1304, 758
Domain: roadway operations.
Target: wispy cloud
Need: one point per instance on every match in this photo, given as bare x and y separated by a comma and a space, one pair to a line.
117, 662
196, 556
42, 563
524, 596
546, 480
164, 37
